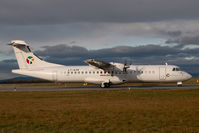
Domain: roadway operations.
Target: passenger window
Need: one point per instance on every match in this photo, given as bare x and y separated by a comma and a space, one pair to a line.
82, 72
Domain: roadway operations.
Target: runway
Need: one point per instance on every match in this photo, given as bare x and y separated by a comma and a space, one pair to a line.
66, 88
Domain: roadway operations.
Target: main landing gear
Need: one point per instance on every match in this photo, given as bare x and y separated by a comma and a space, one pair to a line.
105, 85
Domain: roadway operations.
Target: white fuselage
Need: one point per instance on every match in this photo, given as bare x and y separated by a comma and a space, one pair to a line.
89, 74
98, 72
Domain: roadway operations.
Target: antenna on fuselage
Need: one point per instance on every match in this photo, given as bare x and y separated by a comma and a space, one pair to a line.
166, 64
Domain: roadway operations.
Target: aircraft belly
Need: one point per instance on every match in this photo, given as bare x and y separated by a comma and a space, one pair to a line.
150, 78
73, 78
99, 79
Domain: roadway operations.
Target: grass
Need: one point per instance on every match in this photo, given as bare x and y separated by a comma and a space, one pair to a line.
191, 81
136, 111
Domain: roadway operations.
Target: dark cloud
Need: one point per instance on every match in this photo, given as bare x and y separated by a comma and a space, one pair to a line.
148, 54
184, 40
190, 40
62, 50
174, 33
62, 11
67, 52
8, 63
5, 68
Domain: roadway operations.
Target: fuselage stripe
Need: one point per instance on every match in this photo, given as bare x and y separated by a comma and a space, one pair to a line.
104, 75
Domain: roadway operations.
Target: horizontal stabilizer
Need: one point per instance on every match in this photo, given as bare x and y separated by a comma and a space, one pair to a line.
18, 42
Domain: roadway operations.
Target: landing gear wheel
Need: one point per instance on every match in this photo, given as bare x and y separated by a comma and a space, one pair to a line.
179, 84
102, 85
105, 85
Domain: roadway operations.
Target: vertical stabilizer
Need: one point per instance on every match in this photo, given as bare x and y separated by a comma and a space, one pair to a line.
25, 58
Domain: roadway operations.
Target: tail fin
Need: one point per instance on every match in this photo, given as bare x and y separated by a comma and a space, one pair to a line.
25, 58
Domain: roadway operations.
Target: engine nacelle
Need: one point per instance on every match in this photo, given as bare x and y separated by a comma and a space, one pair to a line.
118, 66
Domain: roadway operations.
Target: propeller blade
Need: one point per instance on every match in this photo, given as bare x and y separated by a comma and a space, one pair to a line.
125, 66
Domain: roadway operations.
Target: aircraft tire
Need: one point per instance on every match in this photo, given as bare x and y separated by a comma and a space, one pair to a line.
105, 85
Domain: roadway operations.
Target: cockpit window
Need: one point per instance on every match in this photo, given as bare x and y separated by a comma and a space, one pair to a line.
176, 69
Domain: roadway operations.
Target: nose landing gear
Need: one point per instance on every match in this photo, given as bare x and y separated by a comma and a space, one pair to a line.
179, 84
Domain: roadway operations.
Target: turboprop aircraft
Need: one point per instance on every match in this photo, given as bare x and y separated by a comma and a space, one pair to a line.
98, 72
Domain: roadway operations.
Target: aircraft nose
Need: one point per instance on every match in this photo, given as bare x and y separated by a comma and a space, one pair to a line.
188, 76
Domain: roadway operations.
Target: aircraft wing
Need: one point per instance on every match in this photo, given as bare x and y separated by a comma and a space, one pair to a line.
99, 64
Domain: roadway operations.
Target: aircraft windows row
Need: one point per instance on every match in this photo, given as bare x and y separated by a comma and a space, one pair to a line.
150, 72
176, 69
102, 72
113, 72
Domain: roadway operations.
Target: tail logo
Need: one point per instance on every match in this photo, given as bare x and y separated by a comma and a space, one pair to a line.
29, 59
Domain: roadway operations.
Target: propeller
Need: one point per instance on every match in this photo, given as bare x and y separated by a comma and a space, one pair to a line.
125, 66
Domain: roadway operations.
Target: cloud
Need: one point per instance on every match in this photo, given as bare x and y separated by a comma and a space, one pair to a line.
5, 68
184, 40
72, 11
62, 50
99, 35
146, 54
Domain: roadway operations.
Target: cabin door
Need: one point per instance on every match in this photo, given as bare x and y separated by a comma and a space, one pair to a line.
162, 73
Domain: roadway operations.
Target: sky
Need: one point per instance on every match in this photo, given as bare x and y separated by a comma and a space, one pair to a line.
71, 31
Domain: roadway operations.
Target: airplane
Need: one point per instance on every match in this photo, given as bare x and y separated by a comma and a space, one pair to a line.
97, 72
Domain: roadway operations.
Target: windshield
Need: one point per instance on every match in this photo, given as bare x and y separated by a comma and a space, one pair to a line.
176, 69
